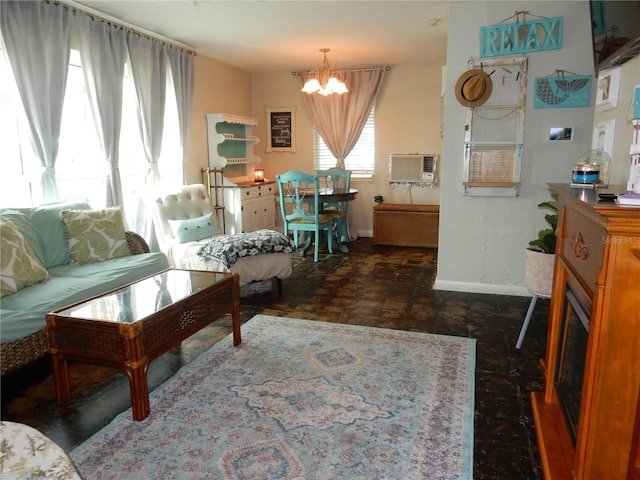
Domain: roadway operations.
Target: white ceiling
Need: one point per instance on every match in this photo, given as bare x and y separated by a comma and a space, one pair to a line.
269, 35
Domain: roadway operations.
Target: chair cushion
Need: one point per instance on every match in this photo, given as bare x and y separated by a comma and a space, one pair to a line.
20, 266
95, 235
194, 229
322, 218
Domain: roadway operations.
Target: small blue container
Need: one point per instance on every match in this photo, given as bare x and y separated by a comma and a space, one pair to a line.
585, 174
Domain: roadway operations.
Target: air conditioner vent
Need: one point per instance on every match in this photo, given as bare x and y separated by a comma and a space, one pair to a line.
413, 168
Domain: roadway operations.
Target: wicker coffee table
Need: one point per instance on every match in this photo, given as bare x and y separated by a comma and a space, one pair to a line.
129, 327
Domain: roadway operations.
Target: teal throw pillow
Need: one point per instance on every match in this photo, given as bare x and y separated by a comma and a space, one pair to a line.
194, 229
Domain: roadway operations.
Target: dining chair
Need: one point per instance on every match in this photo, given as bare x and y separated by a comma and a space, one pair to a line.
302, 190
337, 179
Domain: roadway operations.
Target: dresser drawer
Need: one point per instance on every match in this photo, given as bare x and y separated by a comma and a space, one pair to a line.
257, 191
583, 246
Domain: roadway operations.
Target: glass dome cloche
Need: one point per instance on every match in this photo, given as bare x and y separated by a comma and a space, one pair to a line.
592, 168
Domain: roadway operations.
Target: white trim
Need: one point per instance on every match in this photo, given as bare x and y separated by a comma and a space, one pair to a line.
512, 290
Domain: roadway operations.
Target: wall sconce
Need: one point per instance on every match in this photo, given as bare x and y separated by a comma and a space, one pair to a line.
258, 175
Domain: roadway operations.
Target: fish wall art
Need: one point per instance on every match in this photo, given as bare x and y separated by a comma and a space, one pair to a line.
562, 91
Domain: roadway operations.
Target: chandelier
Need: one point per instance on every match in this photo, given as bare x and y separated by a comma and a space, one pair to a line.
325, 81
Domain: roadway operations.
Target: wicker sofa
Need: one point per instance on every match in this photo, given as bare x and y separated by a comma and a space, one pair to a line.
23, 333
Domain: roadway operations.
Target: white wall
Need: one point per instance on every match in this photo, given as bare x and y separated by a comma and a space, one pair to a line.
482, 239
407, 121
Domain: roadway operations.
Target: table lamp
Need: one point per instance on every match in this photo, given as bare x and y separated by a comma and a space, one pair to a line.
258, 175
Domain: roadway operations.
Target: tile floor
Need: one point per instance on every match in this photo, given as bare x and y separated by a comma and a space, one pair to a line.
379, 286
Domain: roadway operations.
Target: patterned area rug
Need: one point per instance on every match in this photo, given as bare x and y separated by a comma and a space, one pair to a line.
300, 399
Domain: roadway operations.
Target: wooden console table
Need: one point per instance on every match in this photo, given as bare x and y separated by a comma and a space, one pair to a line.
129, 327
598, 262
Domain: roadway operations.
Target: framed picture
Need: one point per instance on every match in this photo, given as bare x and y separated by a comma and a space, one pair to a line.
281, 134
560, 134
603, 134
608, 86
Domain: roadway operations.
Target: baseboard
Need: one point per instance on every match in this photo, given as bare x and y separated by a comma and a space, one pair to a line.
512, 290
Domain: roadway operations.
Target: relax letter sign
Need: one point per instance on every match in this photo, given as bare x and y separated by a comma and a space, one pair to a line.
521, 37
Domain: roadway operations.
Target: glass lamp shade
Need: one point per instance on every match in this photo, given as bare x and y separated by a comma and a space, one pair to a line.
312, 85
336, 86
332, 86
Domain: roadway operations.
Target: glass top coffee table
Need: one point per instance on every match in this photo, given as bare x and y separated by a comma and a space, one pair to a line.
129, 327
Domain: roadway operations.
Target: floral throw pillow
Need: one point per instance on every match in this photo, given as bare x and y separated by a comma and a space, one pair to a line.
95, 235
20, 266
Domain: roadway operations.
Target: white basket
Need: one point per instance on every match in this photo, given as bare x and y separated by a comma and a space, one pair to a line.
538, 272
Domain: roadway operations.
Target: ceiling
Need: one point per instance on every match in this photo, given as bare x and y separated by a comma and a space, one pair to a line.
269, 35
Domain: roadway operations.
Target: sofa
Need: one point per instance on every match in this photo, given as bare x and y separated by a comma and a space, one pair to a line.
68, 269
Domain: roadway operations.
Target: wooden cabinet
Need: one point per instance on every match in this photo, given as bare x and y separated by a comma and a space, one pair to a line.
231, 139
598, 263
250, 206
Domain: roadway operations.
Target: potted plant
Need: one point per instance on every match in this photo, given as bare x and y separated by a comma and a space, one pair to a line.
538, 274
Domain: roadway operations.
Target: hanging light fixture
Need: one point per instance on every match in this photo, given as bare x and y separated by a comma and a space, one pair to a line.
325, 81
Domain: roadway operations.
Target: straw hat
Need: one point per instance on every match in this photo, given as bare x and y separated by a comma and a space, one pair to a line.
473, 88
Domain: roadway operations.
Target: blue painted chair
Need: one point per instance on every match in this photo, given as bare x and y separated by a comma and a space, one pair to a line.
337, 179
301, 190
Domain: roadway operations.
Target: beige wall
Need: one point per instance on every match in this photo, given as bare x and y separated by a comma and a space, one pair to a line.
407, 121
218, 87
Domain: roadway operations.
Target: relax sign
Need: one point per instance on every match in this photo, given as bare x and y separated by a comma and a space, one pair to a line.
521, 37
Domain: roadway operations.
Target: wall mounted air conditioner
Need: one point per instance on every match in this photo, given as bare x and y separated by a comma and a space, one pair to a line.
413, 168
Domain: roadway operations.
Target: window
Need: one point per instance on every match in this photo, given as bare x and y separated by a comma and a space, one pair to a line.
360, 161
80, 166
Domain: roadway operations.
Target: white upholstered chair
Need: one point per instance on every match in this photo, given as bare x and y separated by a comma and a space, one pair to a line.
191, 202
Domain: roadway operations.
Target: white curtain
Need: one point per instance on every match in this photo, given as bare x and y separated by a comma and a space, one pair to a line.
181, 64
102, 51
36, 36
340, 118
148, 60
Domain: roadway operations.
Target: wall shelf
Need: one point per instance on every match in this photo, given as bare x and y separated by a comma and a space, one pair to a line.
231, 140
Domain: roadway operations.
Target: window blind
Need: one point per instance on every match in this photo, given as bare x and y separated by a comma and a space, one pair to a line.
360, 161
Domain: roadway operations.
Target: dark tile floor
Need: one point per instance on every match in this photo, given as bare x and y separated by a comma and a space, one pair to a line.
379, 286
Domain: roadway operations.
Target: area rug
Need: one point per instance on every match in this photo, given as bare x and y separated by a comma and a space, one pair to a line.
300, 399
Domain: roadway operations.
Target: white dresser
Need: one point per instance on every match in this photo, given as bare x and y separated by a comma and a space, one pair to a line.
250, 206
